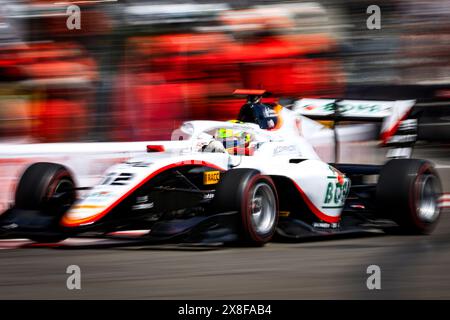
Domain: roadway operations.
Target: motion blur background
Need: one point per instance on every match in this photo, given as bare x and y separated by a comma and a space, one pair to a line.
138, 68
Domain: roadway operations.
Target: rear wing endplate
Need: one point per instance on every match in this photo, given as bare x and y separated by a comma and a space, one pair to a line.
389, 113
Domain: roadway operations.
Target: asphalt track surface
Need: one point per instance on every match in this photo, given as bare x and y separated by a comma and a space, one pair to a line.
412, 267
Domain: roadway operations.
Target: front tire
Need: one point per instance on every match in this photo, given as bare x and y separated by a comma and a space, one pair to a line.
49, 189
408, 191
255, 199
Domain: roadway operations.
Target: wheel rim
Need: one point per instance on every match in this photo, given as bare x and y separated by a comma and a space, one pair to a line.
263, 208
63, 186
427, 206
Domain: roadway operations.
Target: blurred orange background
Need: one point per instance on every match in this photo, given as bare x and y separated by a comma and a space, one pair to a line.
136, 69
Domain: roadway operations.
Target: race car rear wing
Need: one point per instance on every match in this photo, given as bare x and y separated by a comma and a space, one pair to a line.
396, 131
389, 113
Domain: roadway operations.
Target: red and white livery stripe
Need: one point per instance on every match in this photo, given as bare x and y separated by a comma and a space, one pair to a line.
444, 200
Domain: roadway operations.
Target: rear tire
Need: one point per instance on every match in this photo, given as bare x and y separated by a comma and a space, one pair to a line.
408, 191
255, 199
36, 189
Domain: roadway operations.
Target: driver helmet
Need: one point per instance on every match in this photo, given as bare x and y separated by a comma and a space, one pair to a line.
231, 137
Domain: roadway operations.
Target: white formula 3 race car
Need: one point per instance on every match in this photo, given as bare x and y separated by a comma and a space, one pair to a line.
243, 181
